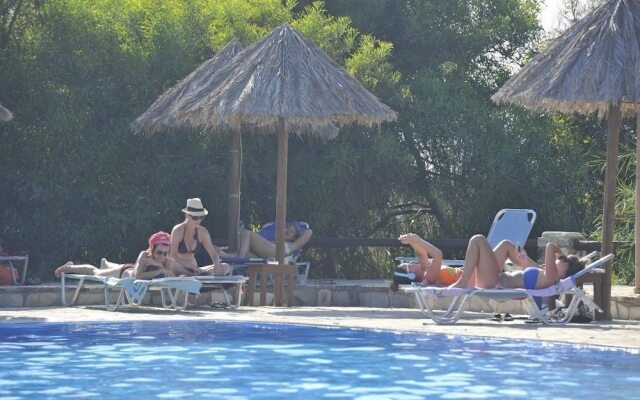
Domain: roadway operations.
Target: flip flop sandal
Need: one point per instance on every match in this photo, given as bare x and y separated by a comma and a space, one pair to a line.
507, 317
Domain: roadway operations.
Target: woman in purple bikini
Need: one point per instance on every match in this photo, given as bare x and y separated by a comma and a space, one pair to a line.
487, 264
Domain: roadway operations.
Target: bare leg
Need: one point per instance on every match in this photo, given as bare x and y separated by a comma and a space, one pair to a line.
105, 264
507, 250
220, 270
182, 267
245, 243
504, 251
224, 254
257, 245
70, 268
481, 261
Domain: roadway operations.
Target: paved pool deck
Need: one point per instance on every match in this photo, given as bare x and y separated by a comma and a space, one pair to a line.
617, 333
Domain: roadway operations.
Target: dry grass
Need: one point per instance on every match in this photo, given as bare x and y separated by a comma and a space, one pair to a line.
280, 76
159, 116
593, 64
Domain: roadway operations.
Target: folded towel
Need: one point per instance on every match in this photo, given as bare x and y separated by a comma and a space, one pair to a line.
137, 288
186, 284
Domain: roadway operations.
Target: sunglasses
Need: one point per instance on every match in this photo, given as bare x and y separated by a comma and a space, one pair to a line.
162, 253
195, 218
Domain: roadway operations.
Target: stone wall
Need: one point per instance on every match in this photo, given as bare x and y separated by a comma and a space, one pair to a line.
334, 294
328, 293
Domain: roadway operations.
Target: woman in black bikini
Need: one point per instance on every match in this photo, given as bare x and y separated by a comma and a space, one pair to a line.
189, 237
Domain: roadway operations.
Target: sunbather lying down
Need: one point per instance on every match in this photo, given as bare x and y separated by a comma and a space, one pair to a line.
262, 244
151, 263
487, 264
429, 268
483, 266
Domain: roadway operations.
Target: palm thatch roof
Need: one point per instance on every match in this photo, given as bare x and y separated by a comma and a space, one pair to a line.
283, 75
593, 64
5, 115
158, 116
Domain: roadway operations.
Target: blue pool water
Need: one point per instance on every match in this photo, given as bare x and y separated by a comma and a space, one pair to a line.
207, 359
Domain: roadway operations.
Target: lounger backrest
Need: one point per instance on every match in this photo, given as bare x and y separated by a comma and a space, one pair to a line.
589, 268
512, 224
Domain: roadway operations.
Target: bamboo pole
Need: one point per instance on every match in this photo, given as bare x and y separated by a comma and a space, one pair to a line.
235, 180
611, 177
637, 205
281, 189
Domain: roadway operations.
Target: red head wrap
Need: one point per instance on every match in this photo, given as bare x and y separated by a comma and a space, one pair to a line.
159, 238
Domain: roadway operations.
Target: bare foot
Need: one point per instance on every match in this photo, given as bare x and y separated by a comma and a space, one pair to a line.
224, 254
65, 268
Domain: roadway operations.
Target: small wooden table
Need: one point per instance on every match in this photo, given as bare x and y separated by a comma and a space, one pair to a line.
280, 271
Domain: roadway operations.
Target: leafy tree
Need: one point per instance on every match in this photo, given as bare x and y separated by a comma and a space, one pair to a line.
78, 185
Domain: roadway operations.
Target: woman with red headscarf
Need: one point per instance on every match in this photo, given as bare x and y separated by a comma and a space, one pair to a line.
154, 262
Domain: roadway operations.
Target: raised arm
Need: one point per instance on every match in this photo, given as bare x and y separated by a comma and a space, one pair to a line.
423, 249
175, 240
143, 262
301, 240
203, 233
551, 254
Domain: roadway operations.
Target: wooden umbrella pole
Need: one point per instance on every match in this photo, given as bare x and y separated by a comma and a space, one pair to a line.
235, 178
611, 173
281, 191
637, 214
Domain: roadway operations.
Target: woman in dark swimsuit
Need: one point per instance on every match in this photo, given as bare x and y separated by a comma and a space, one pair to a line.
189, 237
487, 264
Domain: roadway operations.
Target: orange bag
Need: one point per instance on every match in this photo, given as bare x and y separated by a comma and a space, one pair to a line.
449, 275
5, 275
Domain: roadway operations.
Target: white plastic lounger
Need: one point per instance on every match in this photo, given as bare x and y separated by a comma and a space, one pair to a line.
462, 297
223, 283
132, 291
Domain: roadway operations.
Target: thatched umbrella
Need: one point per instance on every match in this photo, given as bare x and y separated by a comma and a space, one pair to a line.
159, 117
592, 67
5, 115
283, 83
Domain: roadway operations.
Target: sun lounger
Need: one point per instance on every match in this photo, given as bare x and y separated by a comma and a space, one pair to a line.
132, 291
462, 297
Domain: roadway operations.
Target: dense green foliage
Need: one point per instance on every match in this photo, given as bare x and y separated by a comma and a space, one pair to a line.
77, 184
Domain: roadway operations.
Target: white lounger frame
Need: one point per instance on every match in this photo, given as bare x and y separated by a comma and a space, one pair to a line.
167, 296
462, 297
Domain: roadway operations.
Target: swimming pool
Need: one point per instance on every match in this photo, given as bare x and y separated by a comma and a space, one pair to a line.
207, 359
